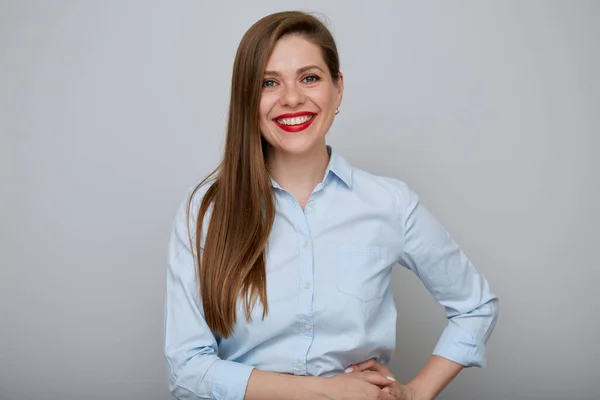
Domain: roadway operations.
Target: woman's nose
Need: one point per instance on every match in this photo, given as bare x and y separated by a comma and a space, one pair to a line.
292, 95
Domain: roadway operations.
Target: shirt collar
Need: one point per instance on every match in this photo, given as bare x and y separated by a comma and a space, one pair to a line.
338, 166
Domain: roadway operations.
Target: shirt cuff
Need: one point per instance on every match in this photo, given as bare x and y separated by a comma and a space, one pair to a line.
461, 346
230, 379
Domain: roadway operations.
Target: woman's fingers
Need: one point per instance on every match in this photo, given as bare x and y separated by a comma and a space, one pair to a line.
371, 364
376, 378
388, 396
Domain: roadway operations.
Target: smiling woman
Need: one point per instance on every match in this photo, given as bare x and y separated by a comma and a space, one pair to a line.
279, 269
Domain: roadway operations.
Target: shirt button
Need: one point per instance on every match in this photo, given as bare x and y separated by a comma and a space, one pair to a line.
307, 285
311, 203
299, 365
306, 244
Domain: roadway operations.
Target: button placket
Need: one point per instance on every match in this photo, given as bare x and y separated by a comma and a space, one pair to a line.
305, 330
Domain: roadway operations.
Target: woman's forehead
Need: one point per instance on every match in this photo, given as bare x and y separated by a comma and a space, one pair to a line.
292, 53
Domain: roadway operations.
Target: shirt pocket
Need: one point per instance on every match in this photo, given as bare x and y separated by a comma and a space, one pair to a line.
363, 271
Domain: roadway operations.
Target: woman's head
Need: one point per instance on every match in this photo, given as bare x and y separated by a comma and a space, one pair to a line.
286, 84
286, 63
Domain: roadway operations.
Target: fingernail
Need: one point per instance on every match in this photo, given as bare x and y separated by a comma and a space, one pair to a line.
348, 370
390, 378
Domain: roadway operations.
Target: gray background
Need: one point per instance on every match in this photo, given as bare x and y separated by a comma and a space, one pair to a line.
110, 110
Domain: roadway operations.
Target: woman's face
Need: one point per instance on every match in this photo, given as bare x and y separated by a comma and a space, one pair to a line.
298, 99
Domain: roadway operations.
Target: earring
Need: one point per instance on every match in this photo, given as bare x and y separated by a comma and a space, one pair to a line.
337, 111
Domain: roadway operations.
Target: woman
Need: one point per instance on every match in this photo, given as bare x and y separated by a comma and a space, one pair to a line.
280, 261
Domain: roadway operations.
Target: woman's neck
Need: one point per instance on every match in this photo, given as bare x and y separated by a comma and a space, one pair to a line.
298, 174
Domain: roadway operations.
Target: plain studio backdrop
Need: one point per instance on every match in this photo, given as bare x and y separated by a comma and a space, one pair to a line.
110, 110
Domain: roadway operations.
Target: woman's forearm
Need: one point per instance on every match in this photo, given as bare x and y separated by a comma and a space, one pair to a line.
264, 385
437, 373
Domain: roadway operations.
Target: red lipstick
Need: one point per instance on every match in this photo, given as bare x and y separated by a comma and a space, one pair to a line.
295, 128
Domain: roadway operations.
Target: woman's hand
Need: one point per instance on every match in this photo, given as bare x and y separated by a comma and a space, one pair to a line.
397, 390
367, 385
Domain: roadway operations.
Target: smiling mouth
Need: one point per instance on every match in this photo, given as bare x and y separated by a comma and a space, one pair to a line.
296, 123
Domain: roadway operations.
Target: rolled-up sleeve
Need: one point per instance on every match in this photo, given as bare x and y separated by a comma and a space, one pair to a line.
195, 370
433, 255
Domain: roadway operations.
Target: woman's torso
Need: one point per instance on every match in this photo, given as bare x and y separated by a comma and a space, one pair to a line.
328, 278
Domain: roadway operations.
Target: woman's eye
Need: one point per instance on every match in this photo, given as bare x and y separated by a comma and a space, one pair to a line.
268, 83
311, 79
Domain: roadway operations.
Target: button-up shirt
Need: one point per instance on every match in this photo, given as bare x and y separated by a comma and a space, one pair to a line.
328, 269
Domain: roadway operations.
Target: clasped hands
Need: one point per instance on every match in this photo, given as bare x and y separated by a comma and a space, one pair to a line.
371, 380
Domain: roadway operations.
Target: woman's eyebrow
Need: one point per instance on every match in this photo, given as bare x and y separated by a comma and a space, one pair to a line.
299, 71
307, 68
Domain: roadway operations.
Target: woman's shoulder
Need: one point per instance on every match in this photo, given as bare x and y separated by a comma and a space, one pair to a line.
195, 194
189, 206
385, 185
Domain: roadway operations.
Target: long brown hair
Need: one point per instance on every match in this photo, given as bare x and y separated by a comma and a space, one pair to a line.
232, 261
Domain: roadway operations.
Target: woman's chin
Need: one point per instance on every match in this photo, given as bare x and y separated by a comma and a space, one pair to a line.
298, 149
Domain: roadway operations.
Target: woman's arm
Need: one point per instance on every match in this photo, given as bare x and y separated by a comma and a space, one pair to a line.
471, 308
269, 385
194, 369
437, 373
452, 279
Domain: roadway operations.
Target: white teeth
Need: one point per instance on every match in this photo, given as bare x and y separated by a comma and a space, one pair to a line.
294, 121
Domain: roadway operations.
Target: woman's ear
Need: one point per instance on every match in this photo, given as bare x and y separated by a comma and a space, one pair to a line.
340, 87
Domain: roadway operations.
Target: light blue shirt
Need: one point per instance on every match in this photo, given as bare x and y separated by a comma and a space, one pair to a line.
328, 286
